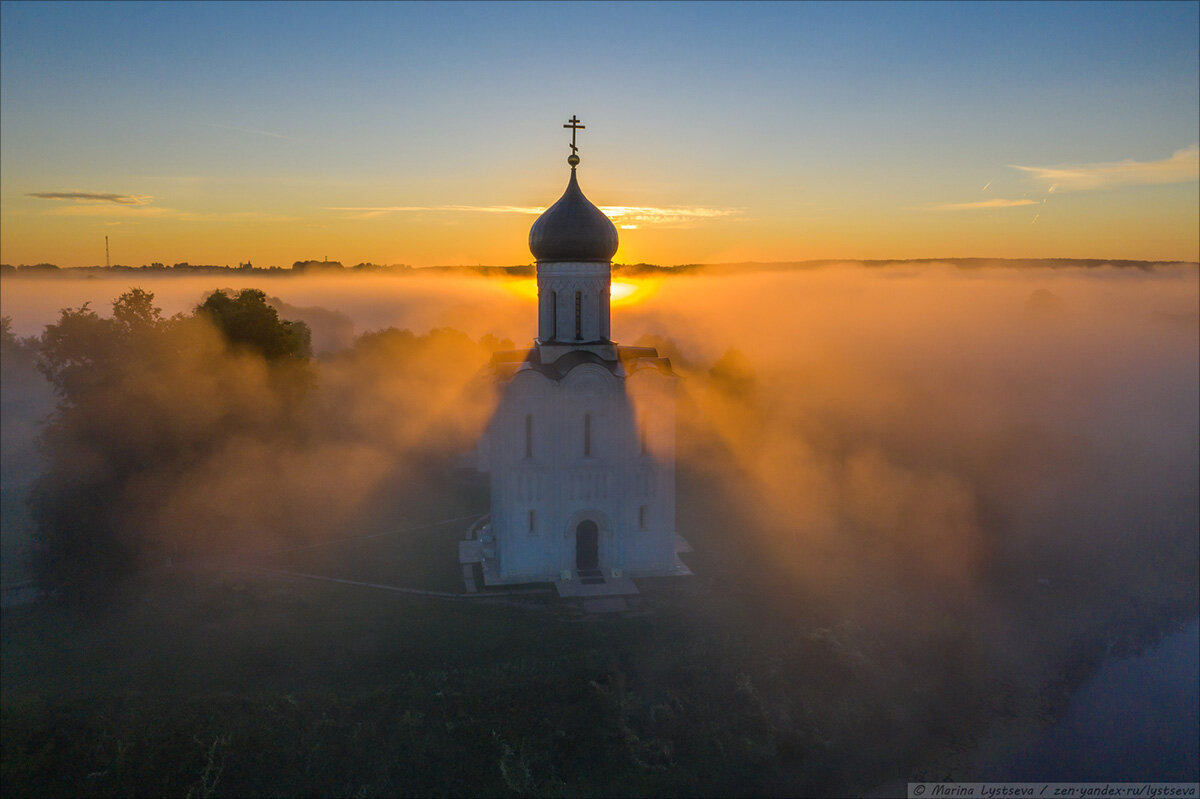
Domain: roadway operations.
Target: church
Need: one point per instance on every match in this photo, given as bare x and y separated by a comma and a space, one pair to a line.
580, 452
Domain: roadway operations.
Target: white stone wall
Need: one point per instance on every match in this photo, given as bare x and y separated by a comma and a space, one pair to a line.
563, 481
558, 283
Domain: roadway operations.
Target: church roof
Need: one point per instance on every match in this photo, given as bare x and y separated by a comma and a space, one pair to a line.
573, 230
629, 360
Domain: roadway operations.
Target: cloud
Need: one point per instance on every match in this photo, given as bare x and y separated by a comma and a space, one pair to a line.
160, 212
1183, 166
375, 210
93, 197
997, 203
96, 209
628, 217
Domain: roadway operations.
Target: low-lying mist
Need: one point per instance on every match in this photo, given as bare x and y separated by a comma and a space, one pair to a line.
419, 303
897, 427
932, 419
928, 492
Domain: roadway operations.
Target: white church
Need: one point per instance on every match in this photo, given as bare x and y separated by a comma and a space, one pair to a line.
581, 450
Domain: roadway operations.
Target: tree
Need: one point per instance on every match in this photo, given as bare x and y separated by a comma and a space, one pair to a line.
135, 311
76, 351
144, 401
248, 321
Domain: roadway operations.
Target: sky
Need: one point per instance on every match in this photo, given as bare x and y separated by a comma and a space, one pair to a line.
432, 133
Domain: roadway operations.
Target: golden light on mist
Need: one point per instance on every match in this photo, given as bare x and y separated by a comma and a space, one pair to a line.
632, 292
526, 288
622, 292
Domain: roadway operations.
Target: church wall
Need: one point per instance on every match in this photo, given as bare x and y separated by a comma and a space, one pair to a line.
587, 462
558, 284
519, 480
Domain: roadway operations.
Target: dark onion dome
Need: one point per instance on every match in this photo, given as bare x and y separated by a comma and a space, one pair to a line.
573, 230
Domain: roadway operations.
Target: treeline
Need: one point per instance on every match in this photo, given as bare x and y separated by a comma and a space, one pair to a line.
310, 267
185, 268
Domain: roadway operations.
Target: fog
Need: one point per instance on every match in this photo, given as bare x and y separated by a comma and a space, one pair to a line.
418, 303
912, 450
919, 446
897, 419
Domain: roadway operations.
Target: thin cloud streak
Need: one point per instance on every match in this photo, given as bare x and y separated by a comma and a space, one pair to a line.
1183, 166
161, 213
93, 197
487, 209
624, 215
92, 209
982, 204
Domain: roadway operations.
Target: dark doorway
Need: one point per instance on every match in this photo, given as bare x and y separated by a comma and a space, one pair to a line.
587, 546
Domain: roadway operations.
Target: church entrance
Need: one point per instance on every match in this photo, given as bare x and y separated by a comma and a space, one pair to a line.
587, 546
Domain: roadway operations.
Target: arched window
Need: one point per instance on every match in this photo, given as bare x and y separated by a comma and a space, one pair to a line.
554, 316
532, 519
578, 315
529, 435
641, 517
587, 435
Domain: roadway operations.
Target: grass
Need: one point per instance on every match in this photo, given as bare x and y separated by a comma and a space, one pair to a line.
197, 681
218, 685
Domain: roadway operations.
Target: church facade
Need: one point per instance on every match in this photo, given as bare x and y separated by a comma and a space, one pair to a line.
581, 449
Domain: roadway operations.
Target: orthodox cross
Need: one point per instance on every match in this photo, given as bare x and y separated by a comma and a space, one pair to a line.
573, 124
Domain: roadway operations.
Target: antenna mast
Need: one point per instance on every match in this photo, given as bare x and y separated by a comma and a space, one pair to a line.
107, 265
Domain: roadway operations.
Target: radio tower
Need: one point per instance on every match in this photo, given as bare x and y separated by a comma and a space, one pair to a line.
107, 265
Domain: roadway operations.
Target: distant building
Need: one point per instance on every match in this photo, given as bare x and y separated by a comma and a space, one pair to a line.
581, 449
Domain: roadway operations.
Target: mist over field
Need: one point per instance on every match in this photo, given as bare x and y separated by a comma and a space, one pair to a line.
995, 465
909, 426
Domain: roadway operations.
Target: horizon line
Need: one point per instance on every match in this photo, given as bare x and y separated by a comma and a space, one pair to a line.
335, 265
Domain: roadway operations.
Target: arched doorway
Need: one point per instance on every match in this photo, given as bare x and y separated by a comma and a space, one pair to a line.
587, 546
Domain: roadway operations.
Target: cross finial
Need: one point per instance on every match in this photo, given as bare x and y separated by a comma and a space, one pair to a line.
573, 124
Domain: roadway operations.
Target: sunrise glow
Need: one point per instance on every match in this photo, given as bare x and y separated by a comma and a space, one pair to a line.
622, 292
716, 133
607, 398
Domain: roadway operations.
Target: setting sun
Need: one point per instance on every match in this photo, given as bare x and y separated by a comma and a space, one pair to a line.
622, 292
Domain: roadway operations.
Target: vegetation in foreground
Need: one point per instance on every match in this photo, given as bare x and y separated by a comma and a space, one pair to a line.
219, 684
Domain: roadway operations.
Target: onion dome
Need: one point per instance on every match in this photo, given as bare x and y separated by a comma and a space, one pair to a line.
573, 229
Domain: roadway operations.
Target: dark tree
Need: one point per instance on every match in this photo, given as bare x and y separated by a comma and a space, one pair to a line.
143, 400
248, 320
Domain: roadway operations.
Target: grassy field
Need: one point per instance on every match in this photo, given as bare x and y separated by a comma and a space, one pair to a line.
212, 679
232, 686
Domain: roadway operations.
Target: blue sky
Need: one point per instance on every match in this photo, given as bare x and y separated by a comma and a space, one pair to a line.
775, 110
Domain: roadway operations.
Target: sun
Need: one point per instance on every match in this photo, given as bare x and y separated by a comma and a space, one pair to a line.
621, 292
